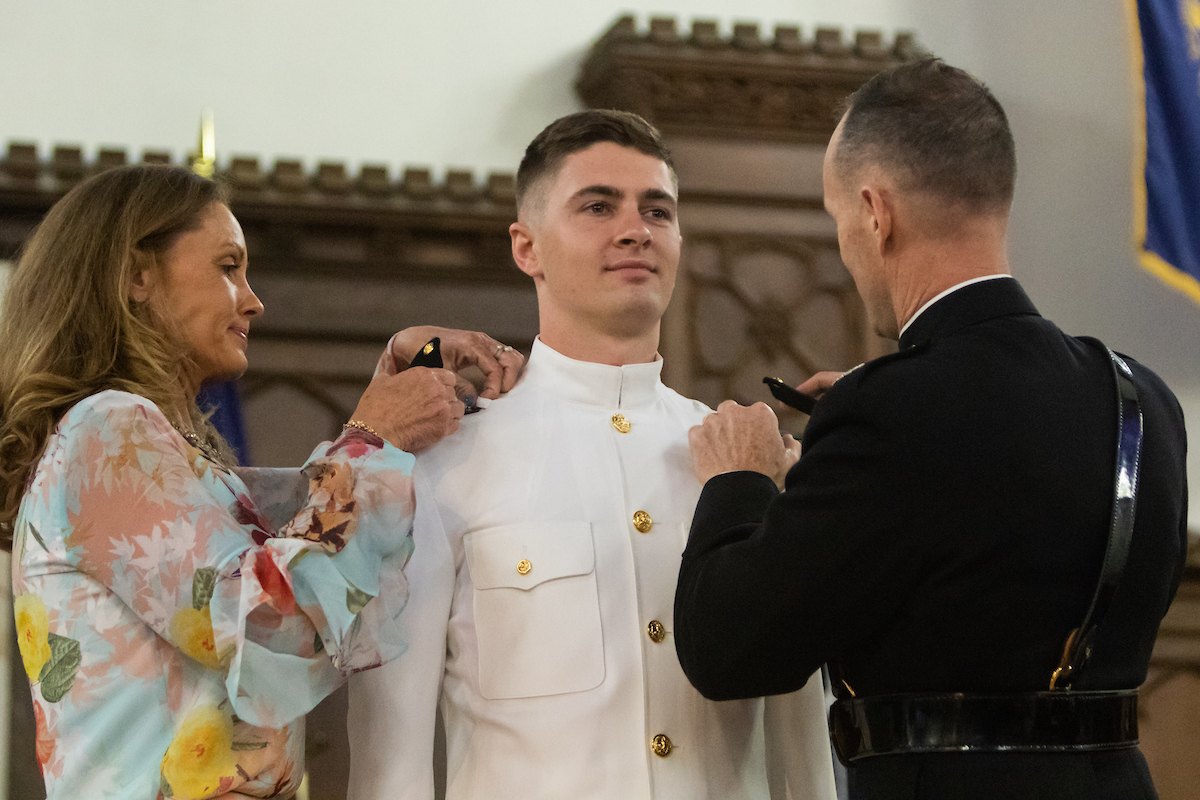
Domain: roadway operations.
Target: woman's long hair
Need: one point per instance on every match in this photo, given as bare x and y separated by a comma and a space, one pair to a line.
68, 327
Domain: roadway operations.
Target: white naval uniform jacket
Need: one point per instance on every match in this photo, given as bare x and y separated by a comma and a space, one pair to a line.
534, 594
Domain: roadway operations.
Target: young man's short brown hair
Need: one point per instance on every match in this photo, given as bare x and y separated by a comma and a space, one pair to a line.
575, 132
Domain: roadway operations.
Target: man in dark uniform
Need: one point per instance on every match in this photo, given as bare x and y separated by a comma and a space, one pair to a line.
945, 528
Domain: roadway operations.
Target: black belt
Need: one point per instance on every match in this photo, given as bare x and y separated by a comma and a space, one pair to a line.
1053, 721
1037, 722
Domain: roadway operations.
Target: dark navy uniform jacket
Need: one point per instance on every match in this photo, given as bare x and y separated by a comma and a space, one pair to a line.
944, 531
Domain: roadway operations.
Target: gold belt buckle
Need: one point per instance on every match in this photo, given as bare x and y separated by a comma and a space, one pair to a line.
1064, 669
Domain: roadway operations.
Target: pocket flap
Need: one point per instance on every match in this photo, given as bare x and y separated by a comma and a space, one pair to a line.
522, 556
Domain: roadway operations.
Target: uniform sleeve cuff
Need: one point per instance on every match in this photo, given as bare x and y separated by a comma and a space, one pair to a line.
728, 500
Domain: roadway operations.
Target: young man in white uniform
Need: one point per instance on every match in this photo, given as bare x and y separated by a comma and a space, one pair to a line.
549, 532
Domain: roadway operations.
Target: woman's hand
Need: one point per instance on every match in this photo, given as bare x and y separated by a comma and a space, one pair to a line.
460, 349
413, 409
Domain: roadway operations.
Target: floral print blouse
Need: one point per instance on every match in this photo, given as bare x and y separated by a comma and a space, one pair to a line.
177, 620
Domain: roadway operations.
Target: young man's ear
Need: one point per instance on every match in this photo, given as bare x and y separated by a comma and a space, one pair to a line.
523, 251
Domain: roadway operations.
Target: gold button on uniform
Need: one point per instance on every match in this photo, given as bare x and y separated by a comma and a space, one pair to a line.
523, 566
427, 349
657, 631
661, 745
622, 424
642, 521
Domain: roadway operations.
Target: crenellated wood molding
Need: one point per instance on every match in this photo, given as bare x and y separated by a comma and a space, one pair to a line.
739, 87
368, 225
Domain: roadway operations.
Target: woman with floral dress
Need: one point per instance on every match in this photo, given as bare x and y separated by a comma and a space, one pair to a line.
177, 617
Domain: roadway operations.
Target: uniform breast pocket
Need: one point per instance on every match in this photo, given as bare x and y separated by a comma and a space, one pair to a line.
537, 613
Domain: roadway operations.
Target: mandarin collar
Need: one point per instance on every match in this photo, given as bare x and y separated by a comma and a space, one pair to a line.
600, 385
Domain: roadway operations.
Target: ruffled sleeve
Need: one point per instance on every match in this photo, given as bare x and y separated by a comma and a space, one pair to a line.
284, 611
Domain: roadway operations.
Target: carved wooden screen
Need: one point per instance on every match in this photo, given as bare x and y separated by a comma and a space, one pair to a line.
755, 306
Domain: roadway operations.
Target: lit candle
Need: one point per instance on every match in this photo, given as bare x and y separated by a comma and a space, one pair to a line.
206, 160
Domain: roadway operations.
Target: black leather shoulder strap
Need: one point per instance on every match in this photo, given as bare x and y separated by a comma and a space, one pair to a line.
1078, 647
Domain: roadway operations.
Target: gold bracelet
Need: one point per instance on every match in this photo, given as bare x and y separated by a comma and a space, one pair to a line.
362, 426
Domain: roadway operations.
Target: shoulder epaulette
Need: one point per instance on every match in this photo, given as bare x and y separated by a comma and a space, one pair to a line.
864, 370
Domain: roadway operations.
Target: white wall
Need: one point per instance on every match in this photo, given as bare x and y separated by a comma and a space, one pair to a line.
465, 83
468, 83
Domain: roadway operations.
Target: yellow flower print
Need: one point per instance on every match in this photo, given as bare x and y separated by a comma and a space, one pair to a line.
33, 634
200, 757
192, 631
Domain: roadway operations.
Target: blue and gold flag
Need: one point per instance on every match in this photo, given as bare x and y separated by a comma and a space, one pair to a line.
1167, 172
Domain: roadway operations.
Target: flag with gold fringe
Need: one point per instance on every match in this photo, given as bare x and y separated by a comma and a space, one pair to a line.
1167, 167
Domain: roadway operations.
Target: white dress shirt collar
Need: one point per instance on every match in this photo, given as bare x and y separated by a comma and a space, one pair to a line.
593, 384
953, 288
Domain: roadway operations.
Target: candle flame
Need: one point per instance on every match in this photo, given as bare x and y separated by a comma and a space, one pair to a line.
205, 161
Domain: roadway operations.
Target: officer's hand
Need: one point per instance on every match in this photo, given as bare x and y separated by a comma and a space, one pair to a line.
740, 438
791, 452
819, 384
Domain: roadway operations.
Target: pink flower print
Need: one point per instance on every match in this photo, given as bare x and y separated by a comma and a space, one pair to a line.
356, 443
